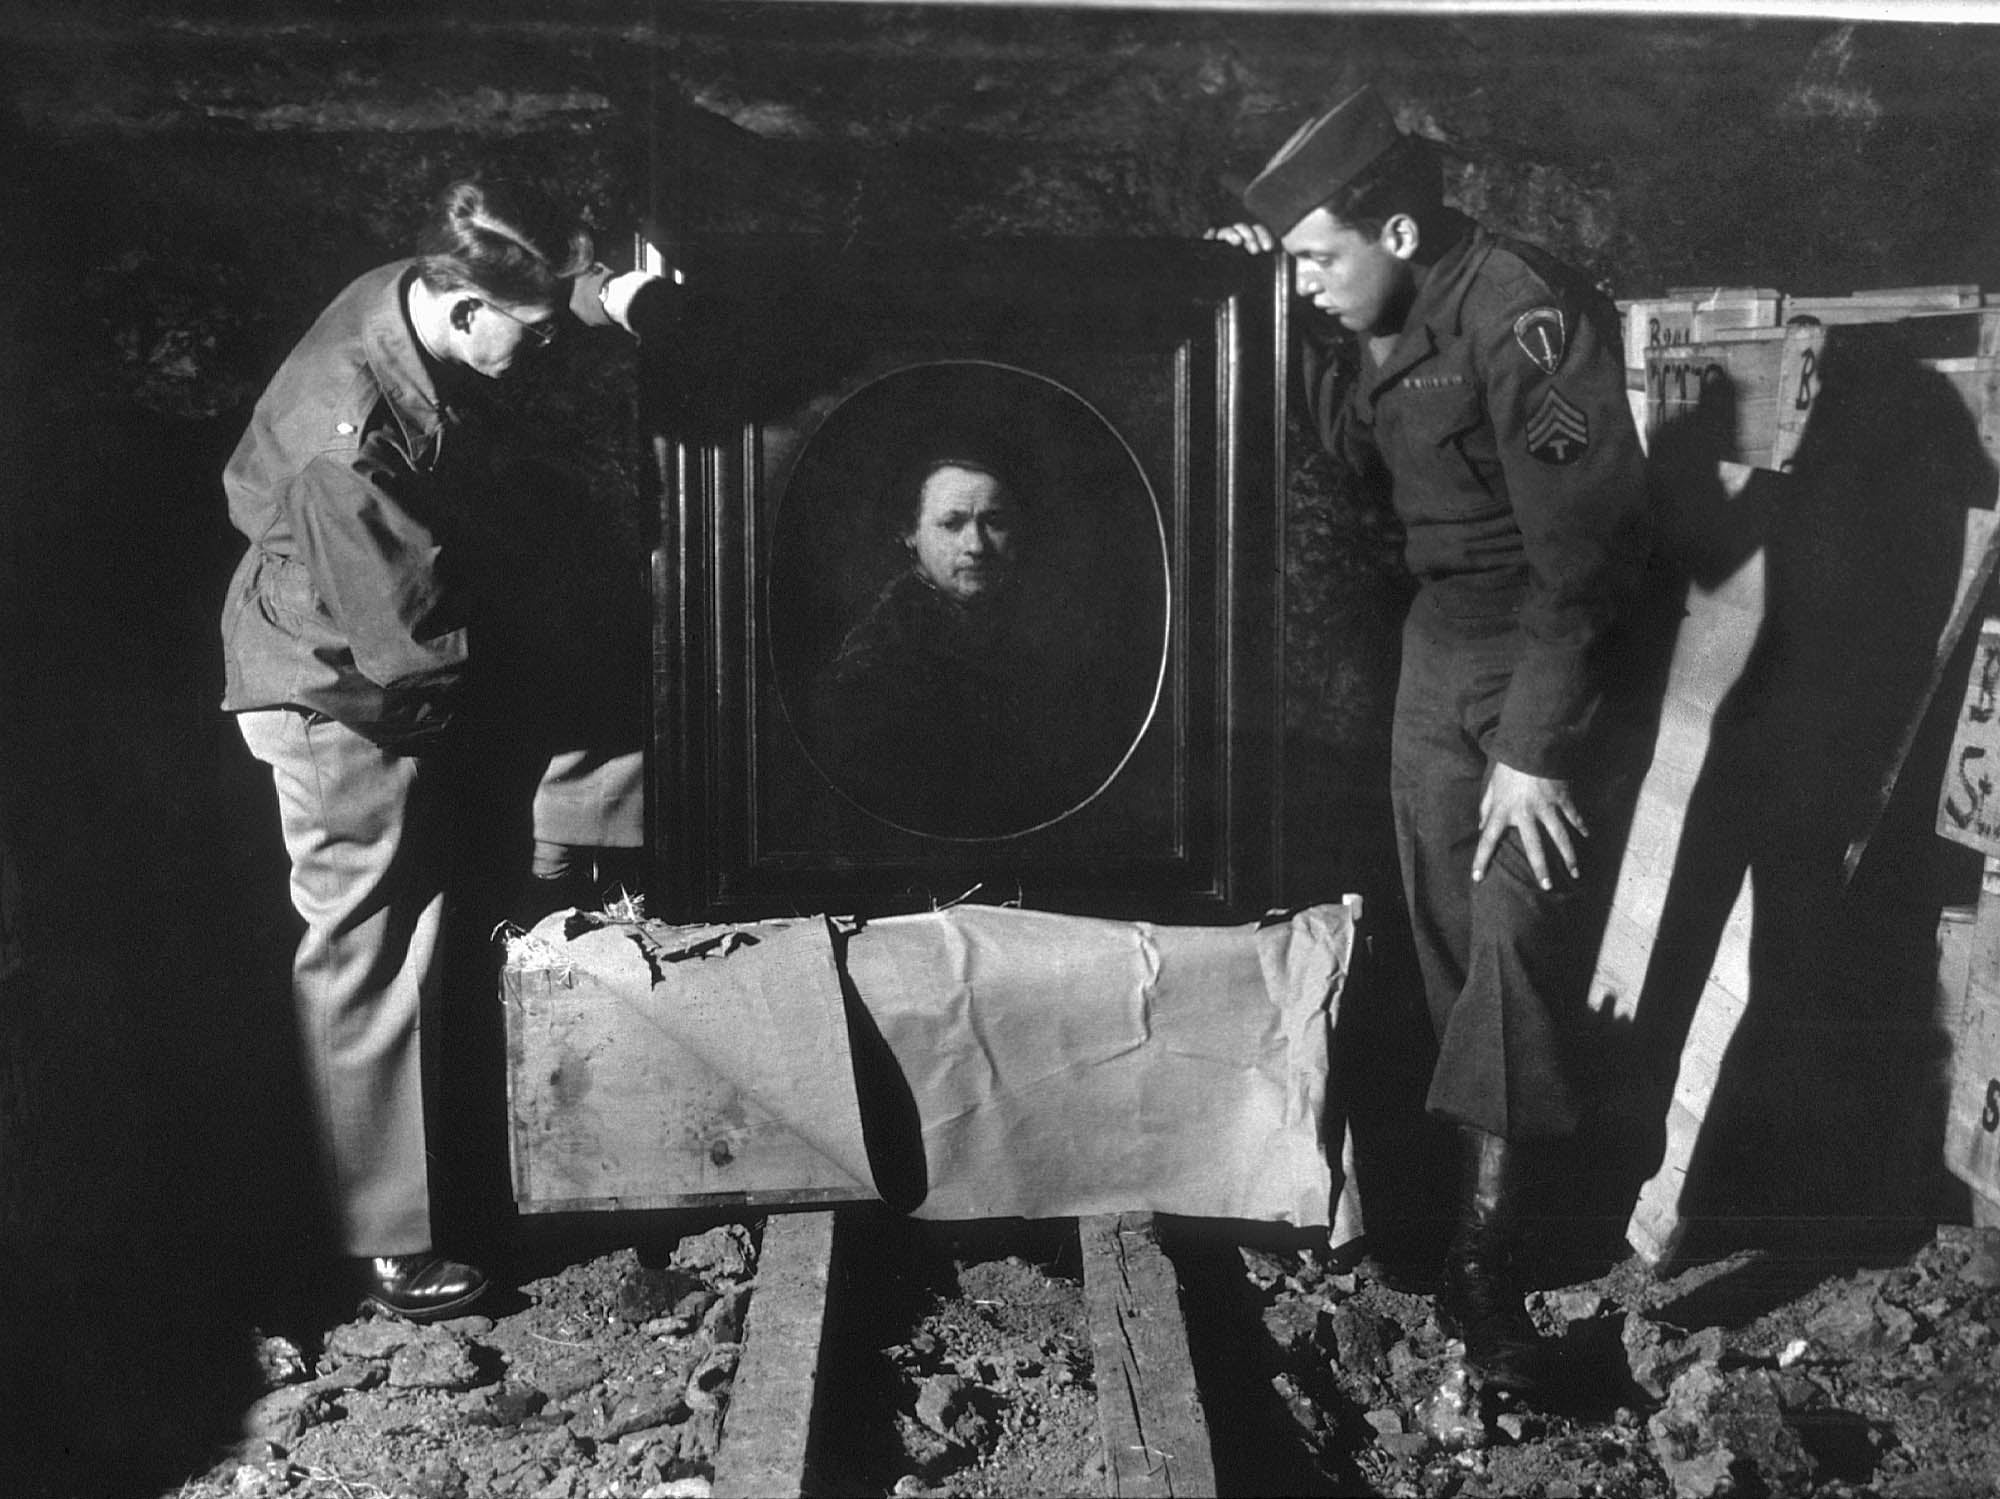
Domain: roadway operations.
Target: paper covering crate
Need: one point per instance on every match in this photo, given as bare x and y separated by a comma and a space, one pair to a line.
971, 1062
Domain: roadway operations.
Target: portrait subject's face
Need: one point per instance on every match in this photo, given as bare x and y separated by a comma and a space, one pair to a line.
1360, 280
966, 536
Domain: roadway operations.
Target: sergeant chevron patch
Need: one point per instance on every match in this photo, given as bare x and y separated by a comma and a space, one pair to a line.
1558, 432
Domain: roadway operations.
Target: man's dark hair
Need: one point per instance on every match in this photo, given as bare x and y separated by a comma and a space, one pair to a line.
906, 500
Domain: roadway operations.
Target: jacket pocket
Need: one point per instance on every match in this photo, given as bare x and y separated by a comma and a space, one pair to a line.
285, 591
1447, 466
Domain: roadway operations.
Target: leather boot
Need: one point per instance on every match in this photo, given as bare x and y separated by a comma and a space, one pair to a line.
1480, 1299
421, 1287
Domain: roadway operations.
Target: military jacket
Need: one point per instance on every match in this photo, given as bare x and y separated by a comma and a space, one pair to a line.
1499, 423
351, 483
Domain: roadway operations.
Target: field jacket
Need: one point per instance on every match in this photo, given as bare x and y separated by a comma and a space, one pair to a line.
351, 484
1500, 425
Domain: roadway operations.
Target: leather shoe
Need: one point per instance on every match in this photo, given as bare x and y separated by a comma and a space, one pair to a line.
421, 1287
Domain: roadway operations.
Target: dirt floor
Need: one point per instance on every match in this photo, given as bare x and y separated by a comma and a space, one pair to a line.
959, 1365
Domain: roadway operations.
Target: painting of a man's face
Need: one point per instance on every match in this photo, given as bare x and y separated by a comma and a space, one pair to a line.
969, 602
966, 533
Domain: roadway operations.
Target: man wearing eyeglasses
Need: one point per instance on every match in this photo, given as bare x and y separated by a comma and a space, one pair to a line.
349, 649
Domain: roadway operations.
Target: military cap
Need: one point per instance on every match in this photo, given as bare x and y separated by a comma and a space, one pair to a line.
1323, 155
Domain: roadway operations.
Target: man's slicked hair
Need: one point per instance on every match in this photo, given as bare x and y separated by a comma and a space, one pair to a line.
507, 239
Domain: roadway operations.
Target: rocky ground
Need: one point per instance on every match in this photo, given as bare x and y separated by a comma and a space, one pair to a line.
960, 1366
1743, 1376
610, 1377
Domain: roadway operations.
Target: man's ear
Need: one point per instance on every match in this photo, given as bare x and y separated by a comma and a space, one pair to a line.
1401, 236
462, 309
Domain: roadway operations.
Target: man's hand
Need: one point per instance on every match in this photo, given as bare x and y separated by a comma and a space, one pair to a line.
1253, 238
1535, 807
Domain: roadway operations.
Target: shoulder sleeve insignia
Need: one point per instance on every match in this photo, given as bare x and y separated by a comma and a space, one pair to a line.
1558, 432
1540, 333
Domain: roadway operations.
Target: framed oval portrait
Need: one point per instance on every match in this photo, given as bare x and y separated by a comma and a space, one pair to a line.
968, 600
967, 583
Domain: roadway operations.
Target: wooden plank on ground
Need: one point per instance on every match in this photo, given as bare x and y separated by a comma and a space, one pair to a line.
769, 1421
1149, 1414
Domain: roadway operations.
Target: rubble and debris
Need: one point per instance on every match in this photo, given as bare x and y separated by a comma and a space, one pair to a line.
1722, 1434
1873, 1381
1658, 1354
567, 1396
1880, 1381
721, 1254
1450, 1415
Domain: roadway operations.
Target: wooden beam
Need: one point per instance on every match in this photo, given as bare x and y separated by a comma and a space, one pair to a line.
1148, 1412
768, 1425
1980, 559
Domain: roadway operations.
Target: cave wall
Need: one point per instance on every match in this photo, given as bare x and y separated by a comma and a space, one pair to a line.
184, 185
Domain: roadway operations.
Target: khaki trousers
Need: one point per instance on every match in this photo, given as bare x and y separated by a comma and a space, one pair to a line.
364, 829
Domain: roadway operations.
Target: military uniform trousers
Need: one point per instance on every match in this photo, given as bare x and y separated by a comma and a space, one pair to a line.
364, 829
1499, 959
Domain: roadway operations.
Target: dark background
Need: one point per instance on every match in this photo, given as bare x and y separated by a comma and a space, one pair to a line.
183, 186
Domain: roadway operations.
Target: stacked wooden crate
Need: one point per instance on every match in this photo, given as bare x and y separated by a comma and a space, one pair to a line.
1747, 364
1760, 352
1969, 978
1685, 317
1968, 812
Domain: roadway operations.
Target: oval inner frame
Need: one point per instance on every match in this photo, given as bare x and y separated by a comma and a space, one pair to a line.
860, 421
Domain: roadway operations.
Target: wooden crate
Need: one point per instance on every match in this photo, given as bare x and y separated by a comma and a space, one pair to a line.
1722, 622
614, 1105
1712, 649
1881, 305
1972, 1113
1733, 380
1976, 382
1769, 380
1967, 810
1696, 315
1011, 1063
1689, 315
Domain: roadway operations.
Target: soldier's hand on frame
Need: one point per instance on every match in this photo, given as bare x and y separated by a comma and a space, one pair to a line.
1539, 809
1254, 239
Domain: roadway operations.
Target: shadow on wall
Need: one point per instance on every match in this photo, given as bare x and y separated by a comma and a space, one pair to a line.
151, 1138
1828, 1102
152, 1191
151, 1131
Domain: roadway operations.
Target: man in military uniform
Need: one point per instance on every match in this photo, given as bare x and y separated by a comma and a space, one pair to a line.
1490, 401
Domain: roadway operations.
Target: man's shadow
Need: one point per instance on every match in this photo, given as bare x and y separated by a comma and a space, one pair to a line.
1825, 1104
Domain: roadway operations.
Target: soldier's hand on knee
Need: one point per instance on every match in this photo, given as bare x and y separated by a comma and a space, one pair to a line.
1539, 810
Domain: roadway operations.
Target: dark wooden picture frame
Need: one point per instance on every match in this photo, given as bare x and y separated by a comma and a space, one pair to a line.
1133, 393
